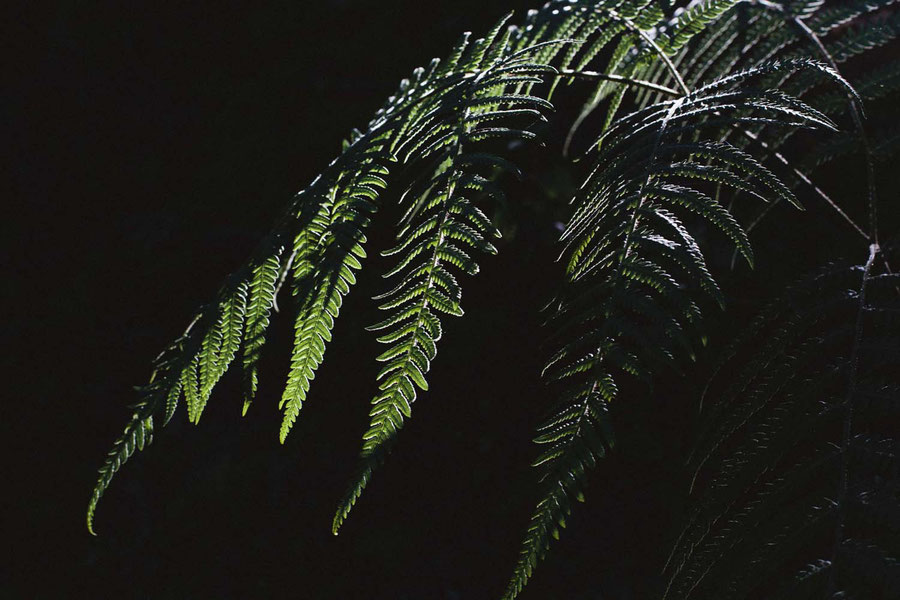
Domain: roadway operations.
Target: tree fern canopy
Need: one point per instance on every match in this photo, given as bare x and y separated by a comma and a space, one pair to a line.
689, 126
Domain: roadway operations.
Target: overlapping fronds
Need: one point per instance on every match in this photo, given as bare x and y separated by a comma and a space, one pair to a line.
750, 33
443, 226
327, 252
712, 93
326, 221
618, 41
796, 475
323, 230
635, 273
188, 368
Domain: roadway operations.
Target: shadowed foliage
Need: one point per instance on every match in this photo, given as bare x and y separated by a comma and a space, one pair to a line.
682, 122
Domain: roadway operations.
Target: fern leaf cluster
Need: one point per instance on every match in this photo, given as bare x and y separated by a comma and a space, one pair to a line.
684, 134
630, 305
750, 33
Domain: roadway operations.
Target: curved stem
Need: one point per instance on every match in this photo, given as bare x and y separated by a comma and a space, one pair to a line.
857, 117
805, 179
620, 79
659, 52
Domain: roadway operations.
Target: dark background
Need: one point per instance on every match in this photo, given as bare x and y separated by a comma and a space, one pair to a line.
156, 146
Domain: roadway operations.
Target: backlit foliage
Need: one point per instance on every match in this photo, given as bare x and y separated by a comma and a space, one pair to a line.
684, 133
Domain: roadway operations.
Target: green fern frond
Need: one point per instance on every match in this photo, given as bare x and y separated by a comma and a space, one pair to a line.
629, 29
261, 300
440, 229
325, 275
159, 398
218, 348
692, 21
137, 434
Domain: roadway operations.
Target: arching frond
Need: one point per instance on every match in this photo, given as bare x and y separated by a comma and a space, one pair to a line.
443, 226
331, 248
630, 303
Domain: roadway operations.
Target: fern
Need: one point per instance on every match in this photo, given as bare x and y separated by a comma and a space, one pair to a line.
259, 307
796, 451
750, 33
629, 306
443, 225
690, 107
324, 274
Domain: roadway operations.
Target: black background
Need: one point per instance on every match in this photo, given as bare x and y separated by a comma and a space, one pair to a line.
156, 146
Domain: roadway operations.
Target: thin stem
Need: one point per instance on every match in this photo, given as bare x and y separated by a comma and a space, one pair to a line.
888, 270
620, 79
659, 52
802, 176
284, 273
856, 115
853, 366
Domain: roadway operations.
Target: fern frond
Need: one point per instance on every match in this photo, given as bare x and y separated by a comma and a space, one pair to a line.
159, 398
219, 346
325, 275
137, 434
441, 227
261, 300
634, 268
752, 33
693, 20
629, 29
769, 452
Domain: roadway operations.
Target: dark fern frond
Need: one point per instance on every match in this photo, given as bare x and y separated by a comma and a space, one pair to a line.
624, 38
692, 21
794, 463
751, 33
629, 306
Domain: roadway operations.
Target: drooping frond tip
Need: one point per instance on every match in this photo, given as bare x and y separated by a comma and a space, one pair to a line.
329, 249
138, 433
